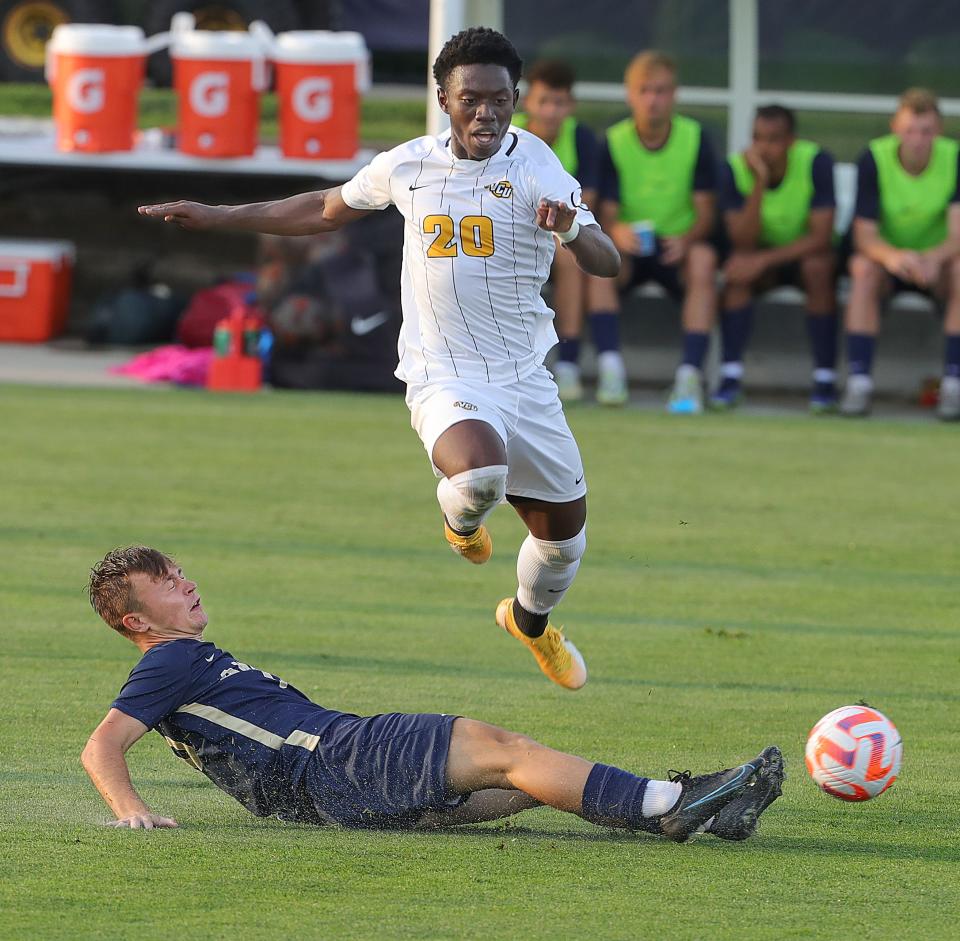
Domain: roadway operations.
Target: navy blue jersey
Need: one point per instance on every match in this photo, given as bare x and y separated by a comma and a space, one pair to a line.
249, 732
868, 187
704, 171
821, 172
588, 158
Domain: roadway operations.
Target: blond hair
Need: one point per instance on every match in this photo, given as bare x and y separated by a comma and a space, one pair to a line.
919, 101
643, 63
111, 593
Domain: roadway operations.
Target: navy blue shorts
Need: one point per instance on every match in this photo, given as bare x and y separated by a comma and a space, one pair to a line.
644, 269
378, 771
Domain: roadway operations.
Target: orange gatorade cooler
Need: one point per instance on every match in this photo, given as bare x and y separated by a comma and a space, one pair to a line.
95, 72
218, 77
35, 278
320, 76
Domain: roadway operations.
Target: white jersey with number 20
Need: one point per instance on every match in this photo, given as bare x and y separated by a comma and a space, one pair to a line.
474, 259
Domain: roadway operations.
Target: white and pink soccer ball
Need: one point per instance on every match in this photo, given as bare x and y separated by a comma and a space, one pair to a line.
854, 753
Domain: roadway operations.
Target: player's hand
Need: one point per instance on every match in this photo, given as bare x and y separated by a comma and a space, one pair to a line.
907, 266
144, 822
185, 214
625, 238
554, 216
759, 169
674, 249
744, 267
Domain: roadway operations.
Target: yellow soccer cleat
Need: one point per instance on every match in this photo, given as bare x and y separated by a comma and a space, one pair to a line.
475, 548
555, 655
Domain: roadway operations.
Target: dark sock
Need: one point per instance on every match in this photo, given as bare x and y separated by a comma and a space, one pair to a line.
860, 348
822, 331
614, 798
533, 625
695, 348
605, 330
735, 327
951, 354
568, 350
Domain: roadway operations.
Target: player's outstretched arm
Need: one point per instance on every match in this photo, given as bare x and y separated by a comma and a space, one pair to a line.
595, 252
304, 214
103, 759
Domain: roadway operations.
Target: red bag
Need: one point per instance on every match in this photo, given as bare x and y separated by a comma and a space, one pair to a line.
211, 305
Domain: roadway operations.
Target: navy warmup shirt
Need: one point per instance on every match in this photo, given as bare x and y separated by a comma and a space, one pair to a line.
266, 744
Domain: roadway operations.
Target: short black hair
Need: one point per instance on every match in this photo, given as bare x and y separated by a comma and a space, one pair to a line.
554, 73
478, 45
779, 113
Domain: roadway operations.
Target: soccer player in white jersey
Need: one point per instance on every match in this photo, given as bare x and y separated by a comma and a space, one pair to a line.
485, 206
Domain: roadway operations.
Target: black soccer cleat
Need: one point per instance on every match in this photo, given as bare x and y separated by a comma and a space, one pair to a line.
704, 796
738, 819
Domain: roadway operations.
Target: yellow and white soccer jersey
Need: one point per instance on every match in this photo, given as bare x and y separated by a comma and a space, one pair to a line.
474, 260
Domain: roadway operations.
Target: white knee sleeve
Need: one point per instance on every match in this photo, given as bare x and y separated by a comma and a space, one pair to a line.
467, 498
545, 570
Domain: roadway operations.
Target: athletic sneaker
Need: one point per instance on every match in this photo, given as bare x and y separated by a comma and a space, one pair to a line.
738, 820
611, 386
728, 395
857, 396
555, 655
948, 403
704, 796
823, 398
686, 397
567, 377
475, 548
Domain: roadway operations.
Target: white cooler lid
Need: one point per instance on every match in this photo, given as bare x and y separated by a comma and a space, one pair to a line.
319, 46
96, 39
211, 44
37, 249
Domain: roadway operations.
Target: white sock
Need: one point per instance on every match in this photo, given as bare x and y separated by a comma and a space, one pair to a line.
545, 570
466, 499
612, 361
659, 797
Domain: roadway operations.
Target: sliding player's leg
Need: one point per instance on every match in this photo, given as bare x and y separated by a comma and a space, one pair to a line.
483, 756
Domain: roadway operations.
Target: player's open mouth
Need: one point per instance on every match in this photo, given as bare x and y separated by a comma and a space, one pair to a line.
195, 605
485, 137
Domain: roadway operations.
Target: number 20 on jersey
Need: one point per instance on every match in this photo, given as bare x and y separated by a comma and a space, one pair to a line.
476, 236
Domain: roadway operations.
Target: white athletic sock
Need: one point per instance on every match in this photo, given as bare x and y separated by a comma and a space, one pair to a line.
659, 797
612, 361
545, 570
466, 499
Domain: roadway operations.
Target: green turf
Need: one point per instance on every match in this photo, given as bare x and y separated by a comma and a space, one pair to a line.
745, 575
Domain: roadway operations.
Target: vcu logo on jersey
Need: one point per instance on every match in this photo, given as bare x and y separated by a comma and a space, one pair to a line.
502, 190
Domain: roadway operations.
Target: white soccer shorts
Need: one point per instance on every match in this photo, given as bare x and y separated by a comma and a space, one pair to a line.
543, 459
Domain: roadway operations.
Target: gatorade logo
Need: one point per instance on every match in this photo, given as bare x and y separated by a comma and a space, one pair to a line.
313, 99
86, 92
210, 94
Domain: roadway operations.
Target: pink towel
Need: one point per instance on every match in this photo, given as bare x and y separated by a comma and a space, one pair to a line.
187, 367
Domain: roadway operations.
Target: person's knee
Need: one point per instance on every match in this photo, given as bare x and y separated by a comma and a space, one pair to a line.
701, 264
478, 490
865, 271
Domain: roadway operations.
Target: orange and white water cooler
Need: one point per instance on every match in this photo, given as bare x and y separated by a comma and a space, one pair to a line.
35, 282
320, 76
95, 72
218, 77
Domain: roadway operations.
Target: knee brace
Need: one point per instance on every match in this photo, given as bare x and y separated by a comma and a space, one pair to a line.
467, 498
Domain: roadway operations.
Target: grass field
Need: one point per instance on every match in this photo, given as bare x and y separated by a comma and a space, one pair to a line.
745, 575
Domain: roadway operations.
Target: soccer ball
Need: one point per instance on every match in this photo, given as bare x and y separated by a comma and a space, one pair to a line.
854, 753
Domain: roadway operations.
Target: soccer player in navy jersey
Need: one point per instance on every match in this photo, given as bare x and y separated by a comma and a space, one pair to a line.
263, 742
